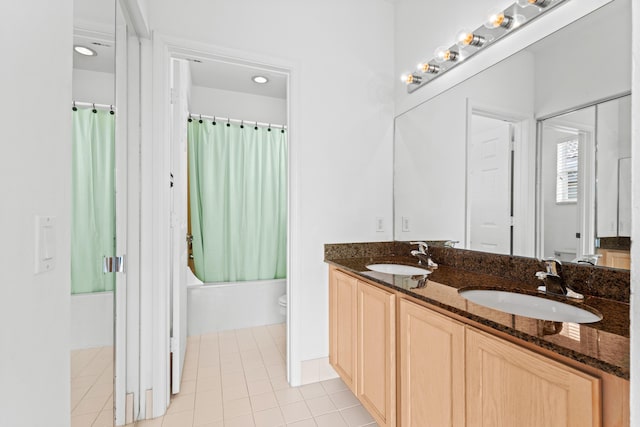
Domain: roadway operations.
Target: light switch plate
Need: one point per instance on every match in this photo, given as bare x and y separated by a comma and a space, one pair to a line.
405, 224
45, 252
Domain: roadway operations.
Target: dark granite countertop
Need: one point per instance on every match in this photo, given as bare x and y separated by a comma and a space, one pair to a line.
603, 345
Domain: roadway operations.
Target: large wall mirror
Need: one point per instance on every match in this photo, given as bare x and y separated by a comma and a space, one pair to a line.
93, 231
104, 373
472, 164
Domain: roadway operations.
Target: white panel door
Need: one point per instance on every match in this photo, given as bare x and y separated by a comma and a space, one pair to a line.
179, 221
489, 193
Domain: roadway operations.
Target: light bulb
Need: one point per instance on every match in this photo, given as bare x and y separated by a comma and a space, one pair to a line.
539, 3
443, 54
429, 68
411, 79
467, 38
498, 19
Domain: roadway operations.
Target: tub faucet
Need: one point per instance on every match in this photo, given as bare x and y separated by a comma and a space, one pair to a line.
422, 253
554, 283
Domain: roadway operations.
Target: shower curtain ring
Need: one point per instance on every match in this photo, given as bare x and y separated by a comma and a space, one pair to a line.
94, 108
214, 120
111, 110
241, 124
200, 121
74, 108
269, 128
228, 122
256, 126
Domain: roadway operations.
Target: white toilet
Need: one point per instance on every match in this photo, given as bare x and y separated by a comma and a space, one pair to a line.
282, 302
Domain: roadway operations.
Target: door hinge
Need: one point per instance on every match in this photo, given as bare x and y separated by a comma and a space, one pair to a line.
512, 221
113, 264
173, 345
171, 180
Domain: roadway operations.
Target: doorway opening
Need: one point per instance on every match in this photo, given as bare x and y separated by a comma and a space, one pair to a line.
229, 199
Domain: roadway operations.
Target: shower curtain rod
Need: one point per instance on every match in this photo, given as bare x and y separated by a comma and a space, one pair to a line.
226, 119
94, 105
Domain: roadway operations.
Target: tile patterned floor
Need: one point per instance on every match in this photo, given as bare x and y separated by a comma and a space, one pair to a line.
92, 387
238, 379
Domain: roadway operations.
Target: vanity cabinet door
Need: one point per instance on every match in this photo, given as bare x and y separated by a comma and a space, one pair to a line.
511, 386
377, 353
432, 369
343, 306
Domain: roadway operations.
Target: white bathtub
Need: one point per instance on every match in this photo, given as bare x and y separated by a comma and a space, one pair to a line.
91, 320
213, 307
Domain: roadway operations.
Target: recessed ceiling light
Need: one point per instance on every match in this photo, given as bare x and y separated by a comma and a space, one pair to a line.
260, 79
83, 50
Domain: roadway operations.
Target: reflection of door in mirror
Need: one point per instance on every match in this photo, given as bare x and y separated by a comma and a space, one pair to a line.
567, 180
489, 199
93, 231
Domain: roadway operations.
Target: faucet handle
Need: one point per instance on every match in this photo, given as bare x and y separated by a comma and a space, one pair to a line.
553, 266
422, 246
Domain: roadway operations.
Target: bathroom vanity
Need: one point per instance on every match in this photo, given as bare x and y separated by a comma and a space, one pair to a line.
416, 353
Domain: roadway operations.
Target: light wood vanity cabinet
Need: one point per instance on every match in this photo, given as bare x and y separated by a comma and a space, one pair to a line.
362, 347
376, 364
509, 386
615, 258
453, 374
343, 320
431, 368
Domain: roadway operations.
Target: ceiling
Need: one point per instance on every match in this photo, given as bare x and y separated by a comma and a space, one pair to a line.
237, 78
104, 46
94, 27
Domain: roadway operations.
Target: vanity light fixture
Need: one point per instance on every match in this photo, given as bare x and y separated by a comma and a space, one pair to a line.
260, 79
499, 24
83, 50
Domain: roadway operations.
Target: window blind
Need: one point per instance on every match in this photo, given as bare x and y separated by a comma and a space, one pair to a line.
567, 172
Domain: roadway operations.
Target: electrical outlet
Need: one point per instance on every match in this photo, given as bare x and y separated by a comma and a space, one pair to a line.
405, 224
379, 224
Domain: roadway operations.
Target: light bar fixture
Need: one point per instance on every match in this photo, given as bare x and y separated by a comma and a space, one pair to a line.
499, 24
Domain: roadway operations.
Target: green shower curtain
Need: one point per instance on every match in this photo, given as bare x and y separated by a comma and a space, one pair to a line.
238, 198
93, 216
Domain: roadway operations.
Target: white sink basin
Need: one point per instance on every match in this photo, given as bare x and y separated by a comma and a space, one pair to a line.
530, 306
399, 269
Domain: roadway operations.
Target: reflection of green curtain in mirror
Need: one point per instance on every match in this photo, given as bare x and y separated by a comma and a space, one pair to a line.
238, 193
93, 223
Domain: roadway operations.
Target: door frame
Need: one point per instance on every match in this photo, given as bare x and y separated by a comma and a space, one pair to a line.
523, 174
155, 302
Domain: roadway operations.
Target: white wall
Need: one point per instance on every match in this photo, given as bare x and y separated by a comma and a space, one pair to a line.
341, 130
93, 86
36, 174
237, 105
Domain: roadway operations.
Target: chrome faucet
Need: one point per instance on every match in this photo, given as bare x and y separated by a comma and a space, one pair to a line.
554, 283
422, 253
